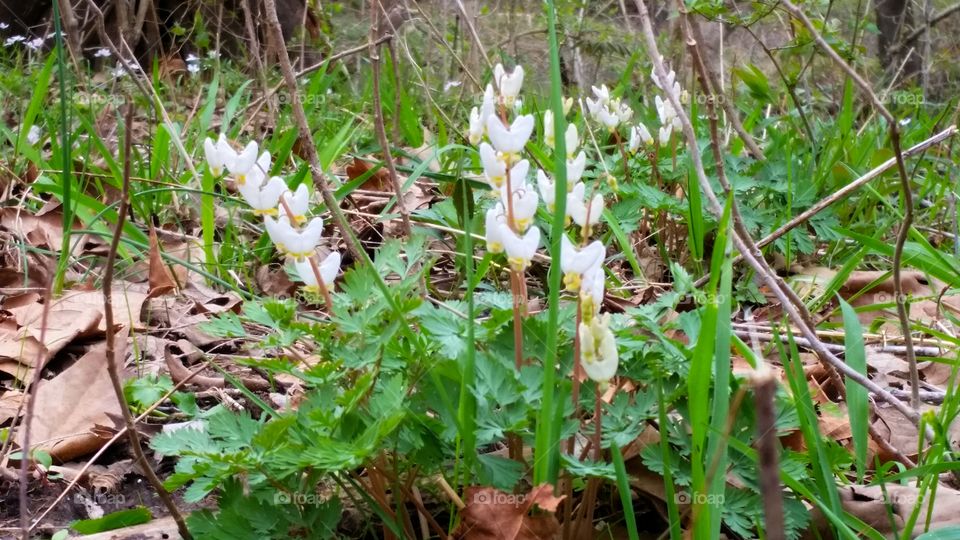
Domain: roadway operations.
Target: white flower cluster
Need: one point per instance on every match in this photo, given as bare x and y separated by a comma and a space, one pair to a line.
509, 223
669, 121
284, 212
612, 113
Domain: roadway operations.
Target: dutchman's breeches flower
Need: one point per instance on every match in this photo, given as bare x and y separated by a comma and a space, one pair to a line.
299, 204
520, 249
509, 141
575, 168
576, 263
547, 189
578, 210
598, 348
290, 241
509, 84
328, 271
247, 161
494, 169
495, 217
524, 201
219, 154
263, 197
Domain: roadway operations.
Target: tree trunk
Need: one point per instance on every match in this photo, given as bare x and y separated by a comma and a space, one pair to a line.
894, 20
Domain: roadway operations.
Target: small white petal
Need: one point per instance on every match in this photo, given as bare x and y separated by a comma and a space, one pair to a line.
510, 140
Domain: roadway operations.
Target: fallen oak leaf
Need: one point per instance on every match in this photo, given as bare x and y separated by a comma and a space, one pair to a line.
71, 404
491, 514
160, 278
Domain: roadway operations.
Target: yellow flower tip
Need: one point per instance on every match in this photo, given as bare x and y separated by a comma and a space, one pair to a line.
314, 289
518, 264
612, 182
572, 282
241, 179
216, 171
267, 212
522, 224
495, 247
498, 181
300, 255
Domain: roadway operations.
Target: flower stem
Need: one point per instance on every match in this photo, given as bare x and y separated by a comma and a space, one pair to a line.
323, 286
623, 155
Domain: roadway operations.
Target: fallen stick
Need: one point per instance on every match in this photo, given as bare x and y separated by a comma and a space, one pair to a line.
836, 348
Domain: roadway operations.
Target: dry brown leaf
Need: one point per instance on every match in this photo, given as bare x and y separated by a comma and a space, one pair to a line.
69, 406
492, 514
873, 507
12, 404
127, 300
922, 291
207, 300
378, 181
69, 317
898, 431
272, 280
160, 278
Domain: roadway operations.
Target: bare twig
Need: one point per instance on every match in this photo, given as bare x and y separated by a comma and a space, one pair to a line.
713, 87
25, 457
768, 453
934, 19
112, 366
904, 231
296, 104
381, 130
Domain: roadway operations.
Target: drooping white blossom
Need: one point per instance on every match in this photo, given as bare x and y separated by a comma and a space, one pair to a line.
598, 349
576, 263
329, 268
290, 241
582, 213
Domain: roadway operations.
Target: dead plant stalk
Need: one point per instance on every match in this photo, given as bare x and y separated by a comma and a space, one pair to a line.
306, 136
112, 364
904, 231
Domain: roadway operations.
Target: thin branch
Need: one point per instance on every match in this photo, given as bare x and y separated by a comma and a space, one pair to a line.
112, 367
25, 457
939, 16
713, 87
381, 130
904, 231
296, 104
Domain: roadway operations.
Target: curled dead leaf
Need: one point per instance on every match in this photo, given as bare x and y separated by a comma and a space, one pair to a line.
491, 514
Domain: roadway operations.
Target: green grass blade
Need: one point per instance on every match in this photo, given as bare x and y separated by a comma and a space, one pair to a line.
858, 408
623, 486
546, 443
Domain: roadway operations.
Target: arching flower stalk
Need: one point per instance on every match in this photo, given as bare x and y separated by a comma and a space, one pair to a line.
509, 223
284, 212
611, 113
